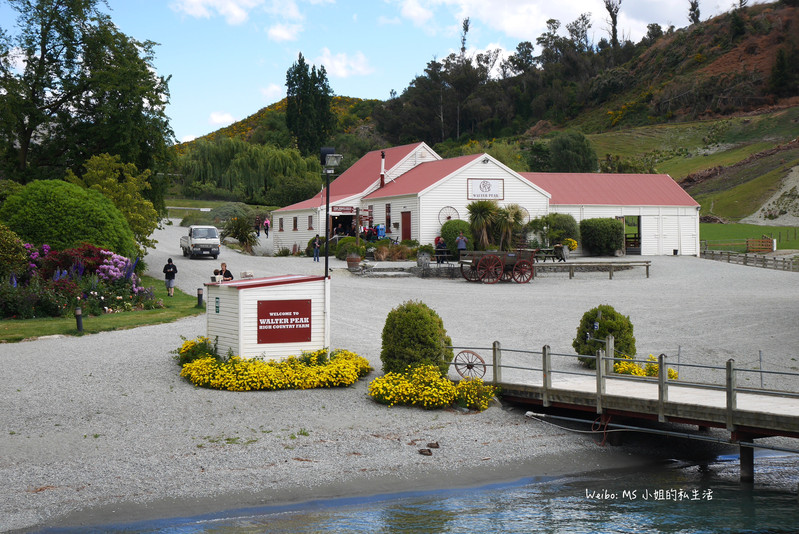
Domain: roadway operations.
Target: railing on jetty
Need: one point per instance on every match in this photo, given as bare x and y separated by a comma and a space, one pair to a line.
754, 260
747, 413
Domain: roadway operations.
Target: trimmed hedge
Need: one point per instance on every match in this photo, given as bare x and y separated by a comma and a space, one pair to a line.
601, 237
415, 335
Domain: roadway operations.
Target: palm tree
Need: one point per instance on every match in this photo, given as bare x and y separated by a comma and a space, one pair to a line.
508, 221
481, 218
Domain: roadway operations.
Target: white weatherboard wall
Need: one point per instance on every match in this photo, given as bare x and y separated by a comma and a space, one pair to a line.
663, 229
232, 314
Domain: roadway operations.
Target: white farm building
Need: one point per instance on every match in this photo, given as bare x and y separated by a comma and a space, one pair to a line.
413, 191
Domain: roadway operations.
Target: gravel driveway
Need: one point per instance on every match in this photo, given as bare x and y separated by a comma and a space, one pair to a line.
101, 427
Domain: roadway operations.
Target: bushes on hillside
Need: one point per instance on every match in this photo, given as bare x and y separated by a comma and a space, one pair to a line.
65, 215
610, 322
415, 335
602, 237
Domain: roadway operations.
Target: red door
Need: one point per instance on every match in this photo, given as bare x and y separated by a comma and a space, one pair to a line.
406, 224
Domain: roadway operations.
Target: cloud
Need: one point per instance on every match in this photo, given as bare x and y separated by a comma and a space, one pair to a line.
386, 21
284, 32
220, 118
187, 138
285, 9
344, 66
414, 11
273, 92
234, 11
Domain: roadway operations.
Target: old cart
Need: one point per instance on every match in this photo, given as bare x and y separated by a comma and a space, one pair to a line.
492, 266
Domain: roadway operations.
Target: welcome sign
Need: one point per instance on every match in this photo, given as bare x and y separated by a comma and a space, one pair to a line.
284, 321
485, 189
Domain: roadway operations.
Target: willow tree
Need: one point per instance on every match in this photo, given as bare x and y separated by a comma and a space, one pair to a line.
259, 173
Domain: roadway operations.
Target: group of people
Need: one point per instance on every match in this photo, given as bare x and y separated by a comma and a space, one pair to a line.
170, 273
441, 247
262, 224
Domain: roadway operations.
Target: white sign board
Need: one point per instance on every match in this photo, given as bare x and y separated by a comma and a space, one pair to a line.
484, 189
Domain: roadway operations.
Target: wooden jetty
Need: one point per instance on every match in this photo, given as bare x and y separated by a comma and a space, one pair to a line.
747, 413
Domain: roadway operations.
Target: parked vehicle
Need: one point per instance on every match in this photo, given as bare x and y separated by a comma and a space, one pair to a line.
201, 241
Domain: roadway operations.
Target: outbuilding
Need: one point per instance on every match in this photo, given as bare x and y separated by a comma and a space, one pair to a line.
659, 216
273, 317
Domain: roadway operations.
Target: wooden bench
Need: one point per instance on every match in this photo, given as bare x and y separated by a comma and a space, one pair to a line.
602, 265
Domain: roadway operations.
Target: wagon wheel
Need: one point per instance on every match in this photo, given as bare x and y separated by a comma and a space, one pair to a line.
490, 269
469, 272
447, 213
525, 214
522, 271
507, 275
469, 364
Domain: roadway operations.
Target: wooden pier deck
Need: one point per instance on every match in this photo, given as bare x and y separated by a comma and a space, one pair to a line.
747, 413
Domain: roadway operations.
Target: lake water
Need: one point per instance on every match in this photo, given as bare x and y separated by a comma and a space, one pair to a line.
671, 498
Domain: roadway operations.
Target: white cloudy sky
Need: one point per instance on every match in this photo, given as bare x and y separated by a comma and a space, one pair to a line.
228, 58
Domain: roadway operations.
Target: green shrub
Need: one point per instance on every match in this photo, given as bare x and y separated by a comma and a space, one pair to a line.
450, 231
556, 227
309, 247
414, 335
64, 215
242, 230
602, 237
13, 255
610, 322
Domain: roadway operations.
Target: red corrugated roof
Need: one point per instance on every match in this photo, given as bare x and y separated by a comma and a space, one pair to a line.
361, 176
587, 189
422, 176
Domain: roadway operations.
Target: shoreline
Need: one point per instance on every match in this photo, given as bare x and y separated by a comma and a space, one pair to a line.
549, 467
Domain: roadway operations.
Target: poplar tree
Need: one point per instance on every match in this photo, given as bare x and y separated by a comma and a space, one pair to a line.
309, 114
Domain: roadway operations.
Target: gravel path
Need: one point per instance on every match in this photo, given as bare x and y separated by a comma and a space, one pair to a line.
101, 428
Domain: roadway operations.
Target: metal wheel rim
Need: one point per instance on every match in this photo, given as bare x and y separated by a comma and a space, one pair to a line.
469, 364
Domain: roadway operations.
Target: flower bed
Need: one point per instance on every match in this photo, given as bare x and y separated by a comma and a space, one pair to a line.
55, 282
425, 387
311, 370
651, 368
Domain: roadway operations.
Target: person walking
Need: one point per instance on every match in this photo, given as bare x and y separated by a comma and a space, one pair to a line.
170, 270
267, 224
258, 225
317, 244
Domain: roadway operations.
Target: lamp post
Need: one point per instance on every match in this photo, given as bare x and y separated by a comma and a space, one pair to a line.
330, 160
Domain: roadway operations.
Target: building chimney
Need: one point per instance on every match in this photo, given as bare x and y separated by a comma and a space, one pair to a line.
382, 168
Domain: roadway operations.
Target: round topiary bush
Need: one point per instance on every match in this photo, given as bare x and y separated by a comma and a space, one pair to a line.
414, 335
64, 215
610, 322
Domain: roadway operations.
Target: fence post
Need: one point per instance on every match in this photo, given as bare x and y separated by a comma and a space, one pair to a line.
547, 370
732, 398
497, 353
663, 388
600, 380
610, 352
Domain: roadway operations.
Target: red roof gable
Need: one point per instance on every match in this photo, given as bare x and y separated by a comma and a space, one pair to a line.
363, 174
611, 189
422, 176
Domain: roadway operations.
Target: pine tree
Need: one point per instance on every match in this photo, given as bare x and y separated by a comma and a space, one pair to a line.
309, 116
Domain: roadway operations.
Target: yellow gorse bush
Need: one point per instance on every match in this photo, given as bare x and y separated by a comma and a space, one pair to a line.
423, 386
312, 370
629, 367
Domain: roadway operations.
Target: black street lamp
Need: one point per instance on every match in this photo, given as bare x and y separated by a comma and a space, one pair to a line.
330, 160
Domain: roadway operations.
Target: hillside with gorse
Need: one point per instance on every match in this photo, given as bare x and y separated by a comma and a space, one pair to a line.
715, 105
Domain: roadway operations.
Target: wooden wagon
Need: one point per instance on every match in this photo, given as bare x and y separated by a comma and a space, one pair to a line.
492, 266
